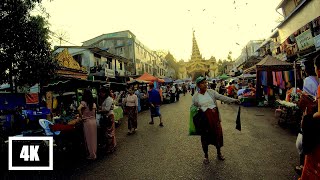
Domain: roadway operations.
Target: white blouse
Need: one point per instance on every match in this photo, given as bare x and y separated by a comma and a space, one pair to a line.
205, 101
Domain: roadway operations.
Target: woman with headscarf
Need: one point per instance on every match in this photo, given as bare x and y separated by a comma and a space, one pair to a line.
87, 113
211, 130
132, 108
107, 122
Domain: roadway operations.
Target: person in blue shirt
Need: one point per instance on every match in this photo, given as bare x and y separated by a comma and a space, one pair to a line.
155, 102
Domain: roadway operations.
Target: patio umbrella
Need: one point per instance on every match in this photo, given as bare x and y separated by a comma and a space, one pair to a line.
223, 76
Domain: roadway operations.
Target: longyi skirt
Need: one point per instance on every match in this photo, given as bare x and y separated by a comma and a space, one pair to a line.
212, 133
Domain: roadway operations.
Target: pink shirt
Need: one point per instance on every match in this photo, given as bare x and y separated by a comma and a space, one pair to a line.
86, 113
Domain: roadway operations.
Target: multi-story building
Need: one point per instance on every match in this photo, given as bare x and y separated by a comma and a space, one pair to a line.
99, 64
299, 31
248, 52
125, 44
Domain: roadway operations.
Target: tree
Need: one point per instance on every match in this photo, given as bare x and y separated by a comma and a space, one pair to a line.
172, 63
25, 54
229, 56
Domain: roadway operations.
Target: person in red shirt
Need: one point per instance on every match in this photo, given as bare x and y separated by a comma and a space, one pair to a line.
230, 90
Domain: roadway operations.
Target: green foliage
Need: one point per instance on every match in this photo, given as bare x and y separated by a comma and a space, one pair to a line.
172, 63
222, 65
25, 52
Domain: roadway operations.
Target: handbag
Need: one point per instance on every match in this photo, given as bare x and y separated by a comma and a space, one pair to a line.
307, 101
200, 122
105, 121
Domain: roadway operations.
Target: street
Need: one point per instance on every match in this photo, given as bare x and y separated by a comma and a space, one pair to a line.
262, 150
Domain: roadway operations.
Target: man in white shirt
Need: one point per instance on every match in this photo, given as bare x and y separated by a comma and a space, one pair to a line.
173, 93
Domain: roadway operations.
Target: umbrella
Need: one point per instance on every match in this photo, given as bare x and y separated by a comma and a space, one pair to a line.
224, 76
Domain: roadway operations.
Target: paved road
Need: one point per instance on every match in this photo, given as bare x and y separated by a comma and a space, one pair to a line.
262, 150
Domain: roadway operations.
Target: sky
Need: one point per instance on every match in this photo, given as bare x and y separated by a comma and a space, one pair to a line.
219, 25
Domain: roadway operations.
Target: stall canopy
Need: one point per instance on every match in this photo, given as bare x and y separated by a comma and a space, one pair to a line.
223, 76
269, 63
265, 70
149, 77
167, 80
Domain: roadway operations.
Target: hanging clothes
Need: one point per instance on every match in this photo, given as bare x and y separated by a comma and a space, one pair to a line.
274, 78
291, 76
269, 78
263, 78
286, 76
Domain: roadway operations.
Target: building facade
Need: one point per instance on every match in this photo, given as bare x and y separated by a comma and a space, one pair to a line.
248, 54
125, 44
299, 33
97, 63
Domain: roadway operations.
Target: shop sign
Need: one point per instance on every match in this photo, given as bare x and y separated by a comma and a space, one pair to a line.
281, 57
305, 40
109, 73
317, 41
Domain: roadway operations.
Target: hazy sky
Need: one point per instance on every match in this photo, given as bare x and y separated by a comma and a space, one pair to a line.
168, 24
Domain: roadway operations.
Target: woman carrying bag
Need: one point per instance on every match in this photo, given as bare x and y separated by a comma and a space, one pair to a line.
210, 122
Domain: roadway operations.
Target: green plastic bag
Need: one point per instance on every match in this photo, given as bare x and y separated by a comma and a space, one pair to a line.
192, 128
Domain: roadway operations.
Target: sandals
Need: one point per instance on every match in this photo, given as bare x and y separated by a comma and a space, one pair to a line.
151, 122
161, 124
206, 161
298, 169
221, 157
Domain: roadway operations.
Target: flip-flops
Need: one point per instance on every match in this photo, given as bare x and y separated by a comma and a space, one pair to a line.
206, 161
221, 157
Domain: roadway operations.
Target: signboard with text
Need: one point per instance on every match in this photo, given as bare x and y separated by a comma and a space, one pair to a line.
305, 40
317, 41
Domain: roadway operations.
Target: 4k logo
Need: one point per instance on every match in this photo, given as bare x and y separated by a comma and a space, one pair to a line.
33, 156
31, 153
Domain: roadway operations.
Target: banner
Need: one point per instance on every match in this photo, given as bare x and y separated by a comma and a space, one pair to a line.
317, 41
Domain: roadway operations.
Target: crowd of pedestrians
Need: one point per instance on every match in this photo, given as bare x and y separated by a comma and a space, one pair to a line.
204, 98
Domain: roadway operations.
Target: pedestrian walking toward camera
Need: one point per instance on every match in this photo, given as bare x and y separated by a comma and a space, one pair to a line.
155, 102
211, 130
132, 108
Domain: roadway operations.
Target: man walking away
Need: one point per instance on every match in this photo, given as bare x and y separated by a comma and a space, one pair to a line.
154, 101
184, 89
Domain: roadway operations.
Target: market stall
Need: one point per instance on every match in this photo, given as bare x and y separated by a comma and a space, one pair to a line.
272, 74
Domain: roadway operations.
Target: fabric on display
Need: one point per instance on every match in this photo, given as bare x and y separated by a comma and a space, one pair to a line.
286, 76
263, 78
274, 78
32, 98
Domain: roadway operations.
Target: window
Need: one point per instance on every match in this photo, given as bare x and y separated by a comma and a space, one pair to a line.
78, 58
109, 62
120, 65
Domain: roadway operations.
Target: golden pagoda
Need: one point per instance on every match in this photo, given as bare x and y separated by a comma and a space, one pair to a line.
69, 67
197, 66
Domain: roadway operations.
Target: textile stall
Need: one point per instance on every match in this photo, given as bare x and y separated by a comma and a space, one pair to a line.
272, 73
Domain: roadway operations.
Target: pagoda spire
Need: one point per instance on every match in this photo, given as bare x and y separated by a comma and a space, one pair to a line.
196, 56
